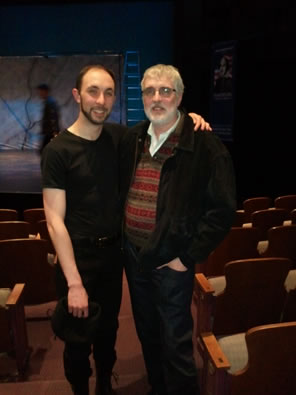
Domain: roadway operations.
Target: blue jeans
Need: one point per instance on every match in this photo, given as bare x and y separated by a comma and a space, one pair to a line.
161, 303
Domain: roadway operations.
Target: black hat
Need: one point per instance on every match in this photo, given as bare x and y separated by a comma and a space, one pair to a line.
73, 329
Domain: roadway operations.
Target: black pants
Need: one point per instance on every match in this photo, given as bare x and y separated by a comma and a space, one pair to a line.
161, 302
101, 273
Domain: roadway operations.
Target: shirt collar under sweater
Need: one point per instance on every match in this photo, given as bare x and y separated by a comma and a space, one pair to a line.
155, 143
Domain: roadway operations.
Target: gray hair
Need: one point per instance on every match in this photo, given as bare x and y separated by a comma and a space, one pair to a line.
168, 71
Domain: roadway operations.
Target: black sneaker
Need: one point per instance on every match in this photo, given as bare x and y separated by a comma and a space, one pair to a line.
103, 385
80, 389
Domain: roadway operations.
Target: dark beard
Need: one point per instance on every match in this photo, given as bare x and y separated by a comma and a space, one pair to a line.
90, 119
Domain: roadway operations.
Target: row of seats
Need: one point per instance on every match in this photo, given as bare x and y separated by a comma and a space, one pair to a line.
265, 219
245, 307
250, 205
250, 292
26, 279
244, 319
245, 243
25, 260
25, 253
32, 224
287, 202
259, 361
31, 215
14, 337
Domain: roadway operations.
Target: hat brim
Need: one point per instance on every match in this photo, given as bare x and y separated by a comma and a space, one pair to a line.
73, 329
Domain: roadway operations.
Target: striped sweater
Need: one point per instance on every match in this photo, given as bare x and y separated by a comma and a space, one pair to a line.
140, 213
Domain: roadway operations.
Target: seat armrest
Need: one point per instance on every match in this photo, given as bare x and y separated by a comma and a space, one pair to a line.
15, 295
204, 299
214, 375
203, 283
217, 357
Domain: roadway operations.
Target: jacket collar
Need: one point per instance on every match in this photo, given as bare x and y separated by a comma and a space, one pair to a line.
184, 127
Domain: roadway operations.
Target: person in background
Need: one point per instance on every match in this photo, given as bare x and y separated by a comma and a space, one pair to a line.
180, 204
83, 175
50, 115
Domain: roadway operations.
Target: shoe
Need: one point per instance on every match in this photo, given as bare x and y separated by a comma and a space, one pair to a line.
104, 387
80, 389
154, 392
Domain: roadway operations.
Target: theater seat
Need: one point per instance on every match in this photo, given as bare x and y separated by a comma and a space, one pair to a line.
287, 202
251, 293
13, 330
239, 243
14, 229
8, 214
259, 362
256, 203
25, 261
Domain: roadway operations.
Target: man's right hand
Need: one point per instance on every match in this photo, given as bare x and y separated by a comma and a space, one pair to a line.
78, 301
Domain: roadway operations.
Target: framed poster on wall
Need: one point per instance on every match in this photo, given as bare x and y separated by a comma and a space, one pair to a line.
223, 89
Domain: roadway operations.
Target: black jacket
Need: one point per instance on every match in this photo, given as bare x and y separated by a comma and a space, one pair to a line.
196, 198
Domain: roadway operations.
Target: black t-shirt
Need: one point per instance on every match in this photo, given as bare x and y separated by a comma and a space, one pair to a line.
89, 173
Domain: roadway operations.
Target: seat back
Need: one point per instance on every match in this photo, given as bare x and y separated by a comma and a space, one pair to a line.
41, 227
256, 203
239, 219
239, 243
272, 361
293, 216
13, 330
8, 214
266, 219
289, 313
33, 215
14, 229
25, 261
255, 294
282, 243
287, 202
6, 344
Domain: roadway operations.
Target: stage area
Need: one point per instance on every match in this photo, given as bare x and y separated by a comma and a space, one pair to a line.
20, 179
20, 172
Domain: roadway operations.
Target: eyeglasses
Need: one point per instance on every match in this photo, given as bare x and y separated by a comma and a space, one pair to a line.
163, 91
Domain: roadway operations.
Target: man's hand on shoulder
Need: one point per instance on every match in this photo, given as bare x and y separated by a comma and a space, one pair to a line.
199, 122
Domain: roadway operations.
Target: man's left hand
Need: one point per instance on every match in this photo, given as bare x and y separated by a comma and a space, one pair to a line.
199, 122
175, 264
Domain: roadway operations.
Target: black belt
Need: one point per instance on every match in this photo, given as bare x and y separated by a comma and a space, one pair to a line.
100, 242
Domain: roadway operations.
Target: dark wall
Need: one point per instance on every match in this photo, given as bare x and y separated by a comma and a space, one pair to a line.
40, 27
263, 128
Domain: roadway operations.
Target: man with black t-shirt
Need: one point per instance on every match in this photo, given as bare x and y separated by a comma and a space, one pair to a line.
80, 172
